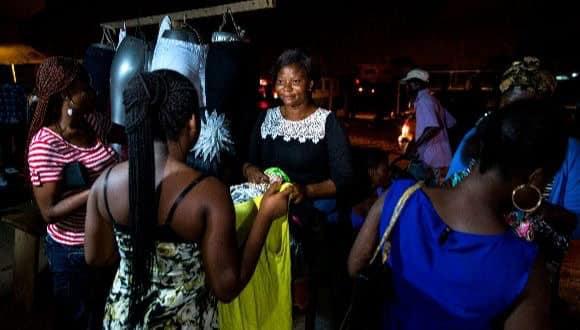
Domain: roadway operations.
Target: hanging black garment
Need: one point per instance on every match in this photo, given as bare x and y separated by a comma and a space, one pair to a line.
231, 81
97, 62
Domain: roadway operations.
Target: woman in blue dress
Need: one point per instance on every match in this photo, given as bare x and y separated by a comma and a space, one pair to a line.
553, 226
455, 263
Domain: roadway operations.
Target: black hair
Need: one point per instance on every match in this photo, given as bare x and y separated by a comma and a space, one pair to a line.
158, 104
521, 137
293, 56
376, 157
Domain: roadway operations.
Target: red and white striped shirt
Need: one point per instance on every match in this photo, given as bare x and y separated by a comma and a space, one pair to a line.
47, 156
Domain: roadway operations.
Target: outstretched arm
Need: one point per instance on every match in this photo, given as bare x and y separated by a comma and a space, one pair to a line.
229, 270
367, 239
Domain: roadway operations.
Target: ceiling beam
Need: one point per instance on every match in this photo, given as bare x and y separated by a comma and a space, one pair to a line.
236, 7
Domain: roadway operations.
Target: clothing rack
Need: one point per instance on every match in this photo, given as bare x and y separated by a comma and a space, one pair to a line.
236, 7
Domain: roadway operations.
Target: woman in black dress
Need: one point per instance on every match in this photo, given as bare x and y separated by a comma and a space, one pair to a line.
311, 146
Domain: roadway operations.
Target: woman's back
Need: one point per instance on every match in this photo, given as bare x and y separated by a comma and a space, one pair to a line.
165, 219
445, 279
178, 295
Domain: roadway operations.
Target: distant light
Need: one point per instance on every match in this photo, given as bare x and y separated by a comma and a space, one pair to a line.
263, 105
372, 91
275, 94
360, 89
562, 77
356, 81
263, 82
574, 74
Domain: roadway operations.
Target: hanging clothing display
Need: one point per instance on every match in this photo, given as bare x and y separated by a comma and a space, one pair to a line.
230, 89
97, 61
133, 56
221, 36
230, 95
180, 51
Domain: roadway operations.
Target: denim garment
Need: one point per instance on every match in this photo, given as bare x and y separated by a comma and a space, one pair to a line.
70, 284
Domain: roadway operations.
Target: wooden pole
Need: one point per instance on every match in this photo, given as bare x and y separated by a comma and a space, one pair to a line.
236, 7
13, 73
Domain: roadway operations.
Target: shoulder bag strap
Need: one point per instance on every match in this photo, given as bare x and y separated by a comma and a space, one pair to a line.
385, 244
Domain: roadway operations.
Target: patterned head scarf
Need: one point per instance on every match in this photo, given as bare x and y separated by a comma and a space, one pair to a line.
528, 77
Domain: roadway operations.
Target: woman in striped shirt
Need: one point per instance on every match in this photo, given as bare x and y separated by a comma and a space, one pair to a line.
64, 157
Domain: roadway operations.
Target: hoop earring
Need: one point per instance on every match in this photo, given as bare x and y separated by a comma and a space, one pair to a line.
522, 187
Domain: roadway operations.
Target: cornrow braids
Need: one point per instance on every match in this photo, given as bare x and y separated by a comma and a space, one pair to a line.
158, 105
53, 77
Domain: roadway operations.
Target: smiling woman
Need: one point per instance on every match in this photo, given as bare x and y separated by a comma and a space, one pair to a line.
310, 145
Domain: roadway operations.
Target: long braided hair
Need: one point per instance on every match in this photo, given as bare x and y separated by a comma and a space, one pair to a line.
53, 77
158, 105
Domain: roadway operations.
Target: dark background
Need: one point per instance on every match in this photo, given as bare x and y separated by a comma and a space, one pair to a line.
436, 34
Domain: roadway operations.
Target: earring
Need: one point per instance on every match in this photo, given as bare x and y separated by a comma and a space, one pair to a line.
70, 110
521, 188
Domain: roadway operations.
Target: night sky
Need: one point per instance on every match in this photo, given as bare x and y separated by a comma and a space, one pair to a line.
436, 34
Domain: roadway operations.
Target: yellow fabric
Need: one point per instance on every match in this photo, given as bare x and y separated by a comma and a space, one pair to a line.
266, 302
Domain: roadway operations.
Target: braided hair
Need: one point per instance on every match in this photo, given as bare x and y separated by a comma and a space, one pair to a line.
158, 104
53, 77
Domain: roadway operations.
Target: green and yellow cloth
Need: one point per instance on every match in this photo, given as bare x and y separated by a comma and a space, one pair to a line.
266, 302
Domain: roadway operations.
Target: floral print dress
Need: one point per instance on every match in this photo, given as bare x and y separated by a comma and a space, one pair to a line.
179, 297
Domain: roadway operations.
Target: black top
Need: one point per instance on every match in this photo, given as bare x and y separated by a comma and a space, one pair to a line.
311, 150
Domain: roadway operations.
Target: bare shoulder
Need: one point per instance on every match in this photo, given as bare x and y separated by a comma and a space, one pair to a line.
113, 182
116, 177
207, 204
212, 191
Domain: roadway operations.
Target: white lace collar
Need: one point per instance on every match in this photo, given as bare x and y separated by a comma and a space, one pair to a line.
310, 128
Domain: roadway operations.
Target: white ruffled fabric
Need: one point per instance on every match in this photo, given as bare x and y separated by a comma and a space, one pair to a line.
311, 128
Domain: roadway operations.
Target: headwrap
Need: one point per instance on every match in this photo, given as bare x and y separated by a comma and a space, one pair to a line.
528, 77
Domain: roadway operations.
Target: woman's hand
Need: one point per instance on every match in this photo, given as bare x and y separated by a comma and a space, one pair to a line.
254, 174
298, 194
275, 203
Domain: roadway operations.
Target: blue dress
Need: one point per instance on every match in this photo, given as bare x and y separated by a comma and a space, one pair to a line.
464, 281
